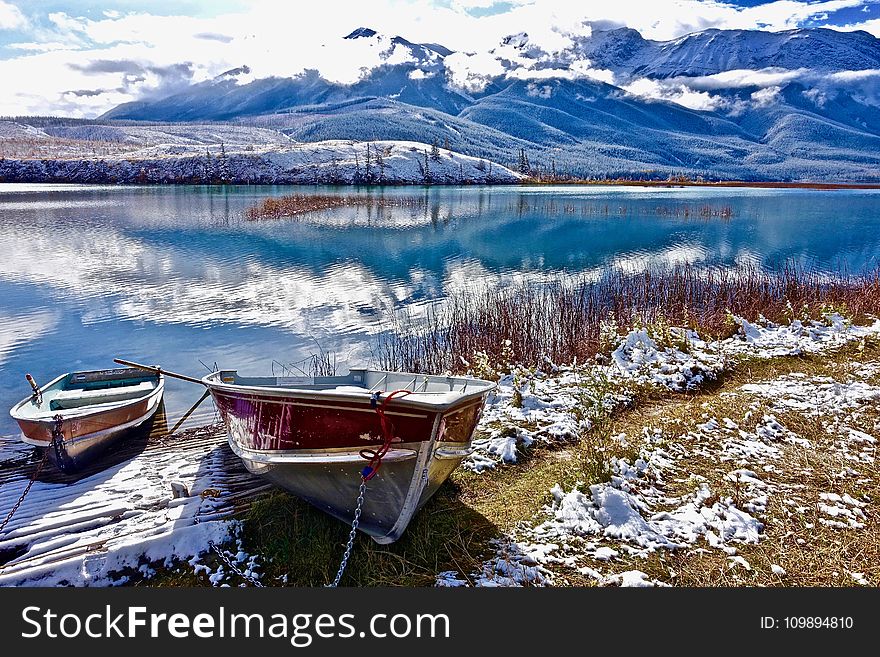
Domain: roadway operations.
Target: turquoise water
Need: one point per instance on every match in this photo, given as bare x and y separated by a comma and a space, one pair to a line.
177, 276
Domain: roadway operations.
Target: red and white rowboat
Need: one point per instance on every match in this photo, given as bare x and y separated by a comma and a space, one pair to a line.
308, 435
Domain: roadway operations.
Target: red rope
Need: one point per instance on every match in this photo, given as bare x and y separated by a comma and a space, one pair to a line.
375, 456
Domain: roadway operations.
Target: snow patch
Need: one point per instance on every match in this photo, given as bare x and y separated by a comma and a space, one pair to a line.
641, 358
765, 339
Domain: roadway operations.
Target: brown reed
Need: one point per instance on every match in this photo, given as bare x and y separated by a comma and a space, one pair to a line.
298, 204
528, 323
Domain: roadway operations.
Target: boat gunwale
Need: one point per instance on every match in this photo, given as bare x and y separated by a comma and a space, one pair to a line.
331, 394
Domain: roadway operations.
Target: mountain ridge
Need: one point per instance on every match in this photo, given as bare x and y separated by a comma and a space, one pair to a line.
716, 103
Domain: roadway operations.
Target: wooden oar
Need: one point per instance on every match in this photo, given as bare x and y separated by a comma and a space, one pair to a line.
189, 412
158, 370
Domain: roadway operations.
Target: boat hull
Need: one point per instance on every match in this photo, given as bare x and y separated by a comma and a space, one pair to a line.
312, 448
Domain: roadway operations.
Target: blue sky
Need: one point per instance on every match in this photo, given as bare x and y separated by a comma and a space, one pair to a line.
82, 58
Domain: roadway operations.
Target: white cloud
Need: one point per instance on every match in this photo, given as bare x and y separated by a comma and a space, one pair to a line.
472, 73
694, 92
864, 85
766, 97
584, 69
818, 96
522, 56
539, 90
398, 54
576, 71
788, 14
470, 5
11, 17
855, 76
39, 46
668, 19
674, 92
742, 78
283, 39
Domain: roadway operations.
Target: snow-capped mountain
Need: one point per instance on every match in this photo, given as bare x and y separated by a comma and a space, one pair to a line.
715, 51
740, 103
411, 73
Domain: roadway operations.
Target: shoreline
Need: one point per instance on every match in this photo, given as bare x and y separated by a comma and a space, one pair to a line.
257, 182
765, 184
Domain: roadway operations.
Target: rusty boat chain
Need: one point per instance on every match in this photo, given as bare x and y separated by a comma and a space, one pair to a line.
56, 436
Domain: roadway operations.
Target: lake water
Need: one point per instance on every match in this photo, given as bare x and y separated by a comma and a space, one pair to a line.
177, 276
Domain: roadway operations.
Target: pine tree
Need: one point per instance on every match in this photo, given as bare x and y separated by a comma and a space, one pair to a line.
367, 175
435, 151
523, 166
209, 166
380, 162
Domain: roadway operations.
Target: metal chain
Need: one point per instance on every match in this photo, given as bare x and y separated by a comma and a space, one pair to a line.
27, 489
234, 568
374, 459
352, 534
253, 581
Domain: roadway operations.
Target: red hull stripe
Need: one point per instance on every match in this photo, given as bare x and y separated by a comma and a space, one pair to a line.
342, 406
263, 422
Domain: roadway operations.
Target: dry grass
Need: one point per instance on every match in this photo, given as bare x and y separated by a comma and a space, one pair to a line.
299, 204
811, 553
568, 321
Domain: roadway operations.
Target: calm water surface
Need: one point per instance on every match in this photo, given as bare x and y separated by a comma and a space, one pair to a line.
177, 276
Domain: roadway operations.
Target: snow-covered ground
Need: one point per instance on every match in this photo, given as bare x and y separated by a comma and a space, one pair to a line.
161, 507
588, 528
560, 403
226, 153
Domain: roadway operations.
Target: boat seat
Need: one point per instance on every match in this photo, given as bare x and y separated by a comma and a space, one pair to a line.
350, 389
79, 398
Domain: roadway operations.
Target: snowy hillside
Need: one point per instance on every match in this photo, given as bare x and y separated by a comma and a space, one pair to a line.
233, 154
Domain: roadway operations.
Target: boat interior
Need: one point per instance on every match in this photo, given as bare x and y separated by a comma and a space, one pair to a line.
82, 390
360, 381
